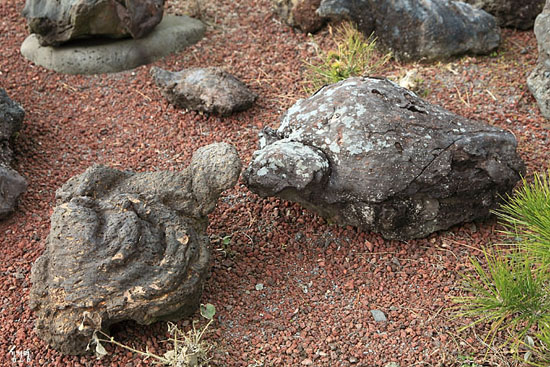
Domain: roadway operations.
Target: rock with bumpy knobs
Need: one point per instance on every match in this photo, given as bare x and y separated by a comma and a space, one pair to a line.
127, 246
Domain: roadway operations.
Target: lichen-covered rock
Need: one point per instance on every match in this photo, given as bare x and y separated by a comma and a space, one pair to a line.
299, 13
211, 90
127, 246
12, 184
368, 153
519, 14
412, 29
539, 79
59, 21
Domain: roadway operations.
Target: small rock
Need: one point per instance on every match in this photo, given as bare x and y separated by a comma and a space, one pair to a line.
307, 362
299, 13
392, 364
211, 90
353, 360
12, 185
378, 315
259, 286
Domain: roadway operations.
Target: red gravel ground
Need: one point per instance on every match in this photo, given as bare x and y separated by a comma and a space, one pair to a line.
320, 281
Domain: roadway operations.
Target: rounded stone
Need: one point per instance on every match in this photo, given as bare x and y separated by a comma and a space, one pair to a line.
97, 56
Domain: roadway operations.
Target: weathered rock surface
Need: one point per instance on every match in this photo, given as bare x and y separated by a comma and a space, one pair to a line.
173, 34
127, 246
368, 153
58, 21
519, 14
539, 79
299, 14
12, 184
211, 90
428, 29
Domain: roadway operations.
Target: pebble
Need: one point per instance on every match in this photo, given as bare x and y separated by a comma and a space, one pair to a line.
378, 315
259, 286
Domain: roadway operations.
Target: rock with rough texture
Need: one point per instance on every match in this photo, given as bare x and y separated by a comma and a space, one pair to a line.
519, 14
211, 90
539, 79
127, 246
12, 184
173, 34
59, 21
368, 153
300, 14
428, 29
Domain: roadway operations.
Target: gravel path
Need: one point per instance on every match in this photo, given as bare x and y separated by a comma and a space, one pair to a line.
319, 282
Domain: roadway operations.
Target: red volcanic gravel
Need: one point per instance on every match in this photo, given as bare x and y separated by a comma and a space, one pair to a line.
320, 281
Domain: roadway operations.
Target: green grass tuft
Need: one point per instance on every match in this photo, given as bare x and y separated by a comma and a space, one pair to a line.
356, 55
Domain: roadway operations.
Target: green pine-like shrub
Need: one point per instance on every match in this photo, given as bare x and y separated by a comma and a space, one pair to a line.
510, 289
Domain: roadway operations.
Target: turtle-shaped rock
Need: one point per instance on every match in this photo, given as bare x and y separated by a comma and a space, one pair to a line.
368, 153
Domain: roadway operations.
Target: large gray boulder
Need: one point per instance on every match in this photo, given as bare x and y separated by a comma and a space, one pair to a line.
127, 246
210, 90
368, 153
427, 29
519, 14
12, 184
300, 14
539, 79
173, 34
58, 21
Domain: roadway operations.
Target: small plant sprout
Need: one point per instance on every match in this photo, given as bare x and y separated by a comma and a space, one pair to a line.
355, 56
188, 349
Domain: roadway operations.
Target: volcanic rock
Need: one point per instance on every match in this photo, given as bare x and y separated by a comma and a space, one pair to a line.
368, 153
519, 14
127, 246
412, 29
539, 79
299, 13
211, 90
12, 184
58, 21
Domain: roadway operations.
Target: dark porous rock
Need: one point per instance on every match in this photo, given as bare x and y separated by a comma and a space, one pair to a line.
519, 14
300, 14
211, 90
539, 79
368, 153
12, 184
413, 30
59, 21
127, 246
11, 116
